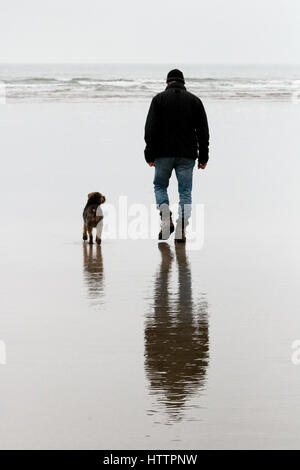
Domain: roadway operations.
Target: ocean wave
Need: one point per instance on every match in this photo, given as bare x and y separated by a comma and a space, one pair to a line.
95, 88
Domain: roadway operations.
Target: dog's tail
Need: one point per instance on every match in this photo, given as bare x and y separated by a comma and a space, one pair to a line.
98, 218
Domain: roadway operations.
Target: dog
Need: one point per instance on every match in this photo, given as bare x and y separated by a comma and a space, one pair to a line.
93, 217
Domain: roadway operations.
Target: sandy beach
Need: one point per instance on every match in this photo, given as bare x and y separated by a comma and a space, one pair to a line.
98, 354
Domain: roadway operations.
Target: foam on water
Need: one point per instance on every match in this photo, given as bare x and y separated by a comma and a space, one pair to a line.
94, 83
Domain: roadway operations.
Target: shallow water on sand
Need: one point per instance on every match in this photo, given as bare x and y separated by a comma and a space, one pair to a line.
136, 344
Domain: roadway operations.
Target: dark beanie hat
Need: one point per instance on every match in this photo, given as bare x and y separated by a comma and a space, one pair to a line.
175, 75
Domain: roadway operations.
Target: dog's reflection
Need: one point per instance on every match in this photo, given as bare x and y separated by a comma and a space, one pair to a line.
93, 272
176, 335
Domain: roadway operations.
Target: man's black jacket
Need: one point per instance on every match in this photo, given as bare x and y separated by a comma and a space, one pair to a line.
176, 126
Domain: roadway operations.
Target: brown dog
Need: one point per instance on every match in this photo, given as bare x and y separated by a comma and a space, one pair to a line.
93, 217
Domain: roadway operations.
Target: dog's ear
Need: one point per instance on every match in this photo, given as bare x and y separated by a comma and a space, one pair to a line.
90, 195
103, 199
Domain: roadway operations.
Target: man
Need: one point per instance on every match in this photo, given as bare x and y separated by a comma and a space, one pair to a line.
176, 134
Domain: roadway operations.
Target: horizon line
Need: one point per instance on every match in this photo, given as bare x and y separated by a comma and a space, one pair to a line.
156, 63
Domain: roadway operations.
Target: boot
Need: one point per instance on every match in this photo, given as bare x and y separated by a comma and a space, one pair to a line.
167, 226
181, 225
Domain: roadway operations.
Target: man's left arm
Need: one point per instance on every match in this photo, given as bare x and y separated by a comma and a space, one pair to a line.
151, 131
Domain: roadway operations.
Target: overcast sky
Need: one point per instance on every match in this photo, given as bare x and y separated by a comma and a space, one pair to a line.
191, 31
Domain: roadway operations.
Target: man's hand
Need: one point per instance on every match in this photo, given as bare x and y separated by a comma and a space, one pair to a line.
202, 165
151, 163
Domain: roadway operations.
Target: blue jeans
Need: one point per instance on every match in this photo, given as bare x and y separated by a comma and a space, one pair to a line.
184, 173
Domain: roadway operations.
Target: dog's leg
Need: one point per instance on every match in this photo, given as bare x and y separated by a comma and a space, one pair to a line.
90, 232
99, 231
84, 235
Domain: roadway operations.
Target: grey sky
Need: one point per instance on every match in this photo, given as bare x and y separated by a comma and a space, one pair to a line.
195, 31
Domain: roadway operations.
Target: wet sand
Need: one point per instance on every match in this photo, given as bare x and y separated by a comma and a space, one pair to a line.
136, 344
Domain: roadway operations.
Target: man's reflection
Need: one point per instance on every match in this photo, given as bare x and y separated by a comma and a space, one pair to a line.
93, 272
176, 335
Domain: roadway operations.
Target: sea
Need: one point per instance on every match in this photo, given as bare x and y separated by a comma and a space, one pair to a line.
115, 82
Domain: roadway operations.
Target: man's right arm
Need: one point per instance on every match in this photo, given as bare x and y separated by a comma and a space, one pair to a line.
202, 132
